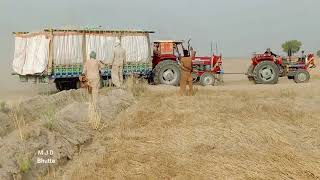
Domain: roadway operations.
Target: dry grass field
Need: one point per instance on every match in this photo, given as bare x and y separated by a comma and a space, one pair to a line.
235, 131
216, 134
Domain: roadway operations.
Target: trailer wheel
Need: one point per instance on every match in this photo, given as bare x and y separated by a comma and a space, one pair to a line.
67, 84
266, 72
301, 76
290, 77
167, 72
206, 79
61, 86
58, 86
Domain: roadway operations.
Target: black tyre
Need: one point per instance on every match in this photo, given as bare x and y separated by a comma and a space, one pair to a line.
266, 72
301, 76
61, 86
58, 86
67, 84
167, 72
206, 79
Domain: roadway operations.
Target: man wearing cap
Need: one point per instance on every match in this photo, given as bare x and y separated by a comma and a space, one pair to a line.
118, 60
91, 70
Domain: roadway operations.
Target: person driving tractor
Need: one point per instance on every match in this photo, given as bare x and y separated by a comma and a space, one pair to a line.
303, 58
269, 52
156, 50
176, 50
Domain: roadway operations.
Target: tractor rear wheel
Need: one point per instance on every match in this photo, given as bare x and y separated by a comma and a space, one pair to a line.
266, 72
301, 76
206, 79
167, 72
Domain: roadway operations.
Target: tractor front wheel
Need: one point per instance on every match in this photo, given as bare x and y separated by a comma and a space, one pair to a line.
250, 72
301, 76
167, 72
206, 79
266, 72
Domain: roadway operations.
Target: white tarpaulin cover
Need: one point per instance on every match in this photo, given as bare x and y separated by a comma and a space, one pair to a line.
32, 52
31, 55
67, 50
102, 45
136, 47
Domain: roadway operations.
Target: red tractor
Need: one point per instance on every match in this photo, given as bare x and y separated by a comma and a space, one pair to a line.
208, 70
166, 59
267, 68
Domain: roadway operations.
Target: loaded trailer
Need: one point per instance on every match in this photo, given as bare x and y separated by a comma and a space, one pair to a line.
58, 55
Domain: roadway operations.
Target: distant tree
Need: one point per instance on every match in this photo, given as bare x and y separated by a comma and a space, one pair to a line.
291, 47
318, 53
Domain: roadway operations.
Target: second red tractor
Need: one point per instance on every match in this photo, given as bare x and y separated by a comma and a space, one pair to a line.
266, 68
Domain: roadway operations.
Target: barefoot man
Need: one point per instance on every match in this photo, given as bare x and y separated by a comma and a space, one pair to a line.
91, 71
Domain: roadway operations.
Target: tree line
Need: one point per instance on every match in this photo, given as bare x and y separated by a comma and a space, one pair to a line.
293, 46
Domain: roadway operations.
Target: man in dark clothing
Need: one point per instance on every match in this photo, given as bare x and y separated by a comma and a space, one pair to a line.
303, 55
270, 52
303, 58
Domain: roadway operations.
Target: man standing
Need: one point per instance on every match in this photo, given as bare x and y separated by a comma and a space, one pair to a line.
303, 57
186, 77
118, 60
92, 72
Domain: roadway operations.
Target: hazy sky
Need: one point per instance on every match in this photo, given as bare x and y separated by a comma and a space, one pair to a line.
240, 26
